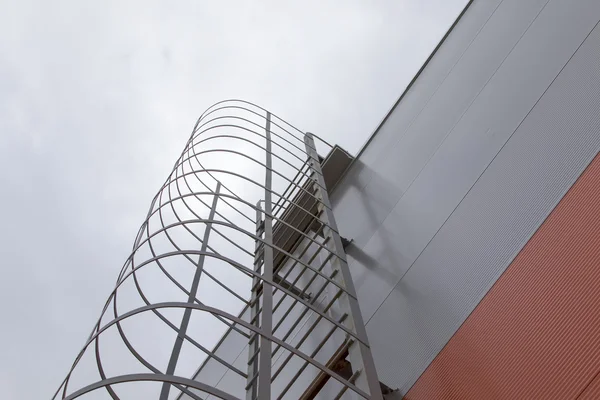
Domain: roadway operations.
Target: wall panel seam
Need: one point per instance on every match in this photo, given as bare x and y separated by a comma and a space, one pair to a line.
406, 91
588, 385
466, 110
585, 165
483, 172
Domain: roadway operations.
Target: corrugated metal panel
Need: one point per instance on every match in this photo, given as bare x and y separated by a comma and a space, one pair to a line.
507, 204
349, 196
592, 391
451, 51
536, 335
471, 238
399, 179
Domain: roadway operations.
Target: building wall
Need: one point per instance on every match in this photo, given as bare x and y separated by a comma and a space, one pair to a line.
535, 335
464, 170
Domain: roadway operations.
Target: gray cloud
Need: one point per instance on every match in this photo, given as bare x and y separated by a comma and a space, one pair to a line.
97, 99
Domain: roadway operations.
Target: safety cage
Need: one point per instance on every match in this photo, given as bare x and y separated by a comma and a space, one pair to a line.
237, 285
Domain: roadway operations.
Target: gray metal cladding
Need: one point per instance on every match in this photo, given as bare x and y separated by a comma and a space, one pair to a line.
412, 137
455, 192
376, 190
419, 94
233, 349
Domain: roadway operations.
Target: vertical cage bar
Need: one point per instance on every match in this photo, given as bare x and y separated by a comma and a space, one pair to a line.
266, 324
251, 384
166, 387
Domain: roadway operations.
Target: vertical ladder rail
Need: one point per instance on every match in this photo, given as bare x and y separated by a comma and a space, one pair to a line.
253, 348
266, 320
359, 352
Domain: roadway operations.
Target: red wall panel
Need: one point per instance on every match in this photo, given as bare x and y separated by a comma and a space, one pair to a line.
592, 391
536, 334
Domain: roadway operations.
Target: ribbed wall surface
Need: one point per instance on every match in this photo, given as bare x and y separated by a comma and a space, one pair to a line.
536, 335
592, 391
473, 159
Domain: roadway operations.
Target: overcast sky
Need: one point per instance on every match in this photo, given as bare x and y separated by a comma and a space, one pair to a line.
97, 100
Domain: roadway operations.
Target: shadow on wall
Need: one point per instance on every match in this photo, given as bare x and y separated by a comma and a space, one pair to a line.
396, 395
375, 199
413, 307
369, 262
